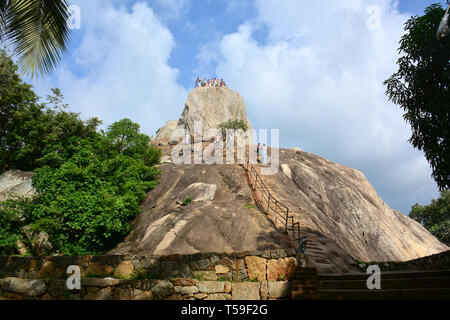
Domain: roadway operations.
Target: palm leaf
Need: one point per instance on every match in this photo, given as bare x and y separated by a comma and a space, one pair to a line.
38, 31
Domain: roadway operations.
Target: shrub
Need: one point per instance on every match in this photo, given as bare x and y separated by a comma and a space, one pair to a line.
234, 125
187, 201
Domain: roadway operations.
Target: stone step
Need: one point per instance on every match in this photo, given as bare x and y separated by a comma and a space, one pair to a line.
394, 294
387, 275
412, 283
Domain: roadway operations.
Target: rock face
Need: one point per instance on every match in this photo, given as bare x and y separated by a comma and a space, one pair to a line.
199, 192
209, 106
15, 183
164, 134
337, 202
219, 220
339, 212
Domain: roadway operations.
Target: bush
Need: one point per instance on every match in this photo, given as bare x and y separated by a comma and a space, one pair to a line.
234, 124
187, 201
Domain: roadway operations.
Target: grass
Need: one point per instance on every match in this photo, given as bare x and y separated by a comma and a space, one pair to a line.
249, 206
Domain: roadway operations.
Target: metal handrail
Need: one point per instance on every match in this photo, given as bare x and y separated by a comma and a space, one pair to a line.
295, 226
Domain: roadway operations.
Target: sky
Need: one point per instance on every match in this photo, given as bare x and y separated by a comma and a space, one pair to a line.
313, 69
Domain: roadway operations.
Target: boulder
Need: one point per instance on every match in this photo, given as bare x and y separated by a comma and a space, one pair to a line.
281, 269
189, 290
124, 269
183, 282
39, 240
212, 106
246, 291
94, 269
221, 269
279, 289
296, 149
15, 183
256, 268
199, 192
145, 295
162, 289
164, 134
211, 286
30, 288
200, 296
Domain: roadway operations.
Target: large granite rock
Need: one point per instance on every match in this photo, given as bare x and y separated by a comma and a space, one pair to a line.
15, 183
339, 211
337, 204
221, 222
209, 106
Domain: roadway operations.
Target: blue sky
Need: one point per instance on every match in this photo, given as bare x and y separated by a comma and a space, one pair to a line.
313, 69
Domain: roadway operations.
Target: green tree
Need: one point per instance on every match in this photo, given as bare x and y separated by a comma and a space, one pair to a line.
38, 31
421, 88
435, 217
124, 135
89, 183
34, 134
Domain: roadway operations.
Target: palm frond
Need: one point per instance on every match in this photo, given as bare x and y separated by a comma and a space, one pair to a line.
38, 31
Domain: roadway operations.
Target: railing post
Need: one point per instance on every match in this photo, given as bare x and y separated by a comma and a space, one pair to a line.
286, 225
268, 204
292, 222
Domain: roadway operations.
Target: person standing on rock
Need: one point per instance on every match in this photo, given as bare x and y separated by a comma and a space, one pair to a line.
258, 152
187, 139
264, 152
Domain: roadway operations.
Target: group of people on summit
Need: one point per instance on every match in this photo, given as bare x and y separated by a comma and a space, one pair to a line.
210, 82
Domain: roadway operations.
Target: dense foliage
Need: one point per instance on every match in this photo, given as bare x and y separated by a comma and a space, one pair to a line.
89, 183
421, 88
435, 217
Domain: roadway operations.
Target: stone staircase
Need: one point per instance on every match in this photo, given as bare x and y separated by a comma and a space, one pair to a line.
398, 285
394, 285
321, 252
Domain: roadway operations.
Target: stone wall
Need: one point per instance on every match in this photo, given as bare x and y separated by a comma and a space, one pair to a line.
119, 289
249, 275
439, 261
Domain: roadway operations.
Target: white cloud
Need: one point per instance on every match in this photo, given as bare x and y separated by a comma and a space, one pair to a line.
120, 68
174, 9
318, 76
